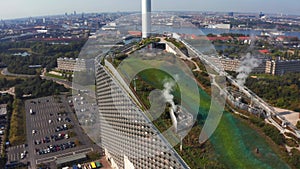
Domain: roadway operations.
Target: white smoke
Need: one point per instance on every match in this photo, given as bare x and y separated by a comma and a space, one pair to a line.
248, 63
168, 87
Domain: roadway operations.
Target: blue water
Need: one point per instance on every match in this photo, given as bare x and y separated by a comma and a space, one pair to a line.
245, 32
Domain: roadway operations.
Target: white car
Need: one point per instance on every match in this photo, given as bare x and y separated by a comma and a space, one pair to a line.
33, 131
66, 136
22, 155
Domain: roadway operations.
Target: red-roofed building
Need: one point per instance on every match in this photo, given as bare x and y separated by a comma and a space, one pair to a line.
264, 51
135, 33
221, 38
287, 38
244, 39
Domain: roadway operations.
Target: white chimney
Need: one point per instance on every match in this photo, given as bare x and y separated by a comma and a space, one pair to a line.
146, 18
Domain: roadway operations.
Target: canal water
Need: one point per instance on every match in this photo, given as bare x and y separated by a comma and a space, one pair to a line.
207, 31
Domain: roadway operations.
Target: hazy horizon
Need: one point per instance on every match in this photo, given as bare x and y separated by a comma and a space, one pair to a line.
14, 9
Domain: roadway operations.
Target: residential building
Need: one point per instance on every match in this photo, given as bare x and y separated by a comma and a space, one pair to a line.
279, 67
70, 64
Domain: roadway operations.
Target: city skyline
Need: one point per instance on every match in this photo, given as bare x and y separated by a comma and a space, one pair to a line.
32, 8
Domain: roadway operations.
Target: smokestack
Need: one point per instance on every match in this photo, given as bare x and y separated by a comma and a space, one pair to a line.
146, 18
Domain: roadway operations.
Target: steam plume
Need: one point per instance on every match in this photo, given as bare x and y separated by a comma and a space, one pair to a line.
247, 65
168, 87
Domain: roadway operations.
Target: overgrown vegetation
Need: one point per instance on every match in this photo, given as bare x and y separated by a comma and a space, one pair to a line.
41, 53
5, 83
295, 158
292, 158
298, 124
179, 45
37, 87
197, 155
17, 132
281, 91
274, 134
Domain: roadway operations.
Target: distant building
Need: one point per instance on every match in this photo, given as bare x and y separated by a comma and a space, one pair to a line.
261, 15
230, 13
70, 64
135, 33
230, 64
24, 54
3, 110
220, 38
233, 65
273, 67
220, 26
264, 51
244, 39
109, 26
280, 67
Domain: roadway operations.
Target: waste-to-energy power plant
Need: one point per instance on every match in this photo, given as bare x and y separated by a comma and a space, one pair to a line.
129, 138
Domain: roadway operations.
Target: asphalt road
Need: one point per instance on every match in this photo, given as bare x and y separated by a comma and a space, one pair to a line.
7, 73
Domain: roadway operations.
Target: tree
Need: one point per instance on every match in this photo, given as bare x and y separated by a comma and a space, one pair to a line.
298, 124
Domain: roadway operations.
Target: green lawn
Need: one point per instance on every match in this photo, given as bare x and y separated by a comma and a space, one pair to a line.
55, 76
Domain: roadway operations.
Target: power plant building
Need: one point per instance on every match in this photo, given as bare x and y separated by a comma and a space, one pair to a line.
128, 137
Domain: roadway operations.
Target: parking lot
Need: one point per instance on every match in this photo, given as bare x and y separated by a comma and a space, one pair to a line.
16, 153
53, 131
88, 115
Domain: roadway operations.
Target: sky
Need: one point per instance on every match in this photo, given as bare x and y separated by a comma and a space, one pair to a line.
10, 9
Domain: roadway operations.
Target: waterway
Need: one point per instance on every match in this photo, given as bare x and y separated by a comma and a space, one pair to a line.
242, 31
206, 31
